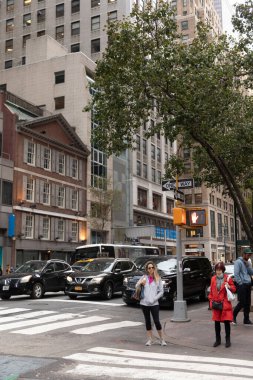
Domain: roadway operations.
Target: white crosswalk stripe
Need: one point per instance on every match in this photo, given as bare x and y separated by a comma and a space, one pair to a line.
120, 363
106, 326
12, 311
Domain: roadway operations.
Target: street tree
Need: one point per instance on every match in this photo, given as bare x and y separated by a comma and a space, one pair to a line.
197, 92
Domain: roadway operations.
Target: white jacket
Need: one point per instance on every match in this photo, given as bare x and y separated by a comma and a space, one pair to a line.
152, 292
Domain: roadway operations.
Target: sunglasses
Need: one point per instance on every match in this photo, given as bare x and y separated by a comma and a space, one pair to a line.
150, 267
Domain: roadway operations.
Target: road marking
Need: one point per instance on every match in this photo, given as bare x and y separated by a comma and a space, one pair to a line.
12, 311
38, 321
26, 316
106, 326
83, 302
163, 365
59, 325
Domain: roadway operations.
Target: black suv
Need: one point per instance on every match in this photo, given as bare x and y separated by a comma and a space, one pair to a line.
34, 278
197, 273
103, 277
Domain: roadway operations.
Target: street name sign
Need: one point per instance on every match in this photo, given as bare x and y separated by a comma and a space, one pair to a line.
170, 184
178, 195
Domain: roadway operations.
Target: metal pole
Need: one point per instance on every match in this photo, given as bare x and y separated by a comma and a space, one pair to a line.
180, 308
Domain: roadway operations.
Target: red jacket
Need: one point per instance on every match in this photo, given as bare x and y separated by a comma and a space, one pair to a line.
226, 314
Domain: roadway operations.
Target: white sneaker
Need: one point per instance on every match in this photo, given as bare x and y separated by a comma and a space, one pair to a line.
163, 343
149, 342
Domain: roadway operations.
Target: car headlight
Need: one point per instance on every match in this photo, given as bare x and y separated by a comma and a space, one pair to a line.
166, 283
96, 280
69, 279
25, 279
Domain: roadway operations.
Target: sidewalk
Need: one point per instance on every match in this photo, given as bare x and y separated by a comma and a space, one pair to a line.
199, 334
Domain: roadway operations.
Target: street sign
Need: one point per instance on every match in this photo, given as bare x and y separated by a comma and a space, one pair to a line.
178, 195
170, 184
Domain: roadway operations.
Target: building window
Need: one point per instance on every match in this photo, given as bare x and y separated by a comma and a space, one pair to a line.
10, 25
95, 23
74, 231
225, 205
112, 16
7, 193
95, 3
184, 3
41, 15
46, 193
27, 20
59, 10
145, 171
30, 159
194, 233
47, 159
30, 190
186, 153
9, 5
219, 216
158, 135
74, 200
75, 28
159, 177
41, 33
232, 229
60, 230
74, 168
185, 37
138, 143
8, 64
28, 226
153, 175
75, 48
59, 102
184, 25
61, 163
212, 222
25, 38
166, 157
95, 46
75, 6
198, 198
187, 167
59, 32
45, 227
8, 46
144, 146
142, 197
188, 199
158, 154
153, 151
61, 196
169, 206
138, 168
157, 202
59, 77
219, 202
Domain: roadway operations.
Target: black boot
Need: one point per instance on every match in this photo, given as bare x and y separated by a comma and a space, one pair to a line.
217, 342
217, 334
228, 342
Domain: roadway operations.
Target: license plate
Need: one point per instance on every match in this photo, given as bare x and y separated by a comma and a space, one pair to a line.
78, 288
6, 287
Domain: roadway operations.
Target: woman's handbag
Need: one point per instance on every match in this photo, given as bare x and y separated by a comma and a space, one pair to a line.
230, 295
139, 293
217, 305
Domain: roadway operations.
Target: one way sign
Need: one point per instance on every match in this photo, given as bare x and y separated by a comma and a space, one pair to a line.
168, 185
182, 184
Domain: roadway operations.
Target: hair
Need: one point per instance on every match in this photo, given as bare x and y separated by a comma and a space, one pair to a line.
156, 275
220, 266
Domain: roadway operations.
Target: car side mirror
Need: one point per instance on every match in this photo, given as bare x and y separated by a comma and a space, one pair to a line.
187, 269
117, 270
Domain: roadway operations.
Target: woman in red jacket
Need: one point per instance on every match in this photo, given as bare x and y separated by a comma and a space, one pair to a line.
218, 293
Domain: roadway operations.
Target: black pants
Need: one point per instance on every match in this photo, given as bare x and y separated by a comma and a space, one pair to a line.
154, 311
244, 301
218, 329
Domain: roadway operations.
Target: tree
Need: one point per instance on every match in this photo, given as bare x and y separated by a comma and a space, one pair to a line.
198, 92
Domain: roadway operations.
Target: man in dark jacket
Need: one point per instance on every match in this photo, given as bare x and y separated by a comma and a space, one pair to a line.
243, 272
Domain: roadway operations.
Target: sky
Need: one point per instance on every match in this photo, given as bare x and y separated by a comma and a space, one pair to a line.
228, 11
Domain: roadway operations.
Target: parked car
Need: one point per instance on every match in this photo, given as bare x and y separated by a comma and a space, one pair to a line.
78, 265
35, 278
103, 277
197, 272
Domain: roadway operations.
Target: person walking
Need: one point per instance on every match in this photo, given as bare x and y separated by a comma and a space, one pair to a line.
153, 290
219, 282
242, 274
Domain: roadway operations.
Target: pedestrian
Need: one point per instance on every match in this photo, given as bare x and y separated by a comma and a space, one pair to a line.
8, 269
219, 282
242, 275
153, 290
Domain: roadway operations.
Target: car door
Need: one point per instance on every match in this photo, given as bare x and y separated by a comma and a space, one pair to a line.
191, 281
117, 276
60, 274
49, 278
126, 268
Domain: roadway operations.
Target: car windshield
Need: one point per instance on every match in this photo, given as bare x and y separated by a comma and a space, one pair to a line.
98, 266
31, 266
166, 265
80, 264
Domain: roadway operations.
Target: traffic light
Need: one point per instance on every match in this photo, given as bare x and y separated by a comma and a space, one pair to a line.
179, 216
196, 217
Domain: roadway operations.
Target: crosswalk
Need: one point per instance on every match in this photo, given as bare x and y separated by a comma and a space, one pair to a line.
129, 364
27, 322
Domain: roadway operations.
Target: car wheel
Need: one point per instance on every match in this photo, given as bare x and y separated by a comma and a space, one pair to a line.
108, 291
72, 296
5, 297
204, 294
37, 291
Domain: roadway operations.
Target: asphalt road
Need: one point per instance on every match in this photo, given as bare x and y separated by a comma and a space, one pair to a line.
57, 339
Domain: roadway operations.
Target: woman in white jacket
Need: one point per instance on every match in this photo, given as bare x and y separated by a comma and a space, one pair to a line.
153, 290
